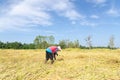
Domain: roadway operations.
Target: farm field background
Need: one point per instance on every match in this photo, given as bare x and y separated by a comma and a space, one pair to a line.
71, 64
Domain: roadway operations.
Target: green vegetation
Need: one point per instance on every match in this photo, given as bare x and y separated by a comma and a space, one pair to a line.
16, 45
71, 64
42, 42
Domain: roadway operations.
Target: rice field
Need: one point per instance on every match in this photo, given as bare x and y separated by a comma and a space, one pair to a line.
71, 64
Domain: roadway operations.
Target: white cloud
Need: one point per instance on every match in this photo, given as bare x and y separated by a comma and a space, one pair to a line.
73, 15
28, 13
94, 16
87, 23
97, 1
113, 12
66, 8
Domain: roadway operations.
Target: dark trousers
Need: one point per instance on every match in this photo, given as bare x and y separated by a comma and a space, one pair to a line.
49, 56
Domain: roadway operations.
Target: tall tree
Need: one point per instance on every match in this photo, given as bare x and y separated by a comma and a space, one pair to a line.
89, 42
69, 44
62, 43
37, 42
43, 41
51, 39
76, 44
111, 42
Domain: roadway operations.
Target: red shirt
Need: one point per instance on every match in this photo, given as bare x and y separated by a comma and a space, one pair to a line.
52, 49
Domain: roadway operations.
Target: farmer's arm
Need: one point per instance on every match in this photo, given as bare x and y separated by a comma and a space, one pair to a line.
55, 55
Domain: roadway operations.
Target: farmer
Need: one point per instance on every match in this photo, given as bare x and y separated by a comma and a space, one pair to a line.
51, 53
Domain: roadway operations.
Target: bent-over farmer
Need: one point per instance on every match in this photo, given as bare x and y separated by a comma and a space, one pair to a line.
51, 53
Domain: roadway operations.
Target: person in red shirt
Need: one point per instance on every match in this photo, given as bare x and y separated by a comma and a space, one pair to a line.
51, 53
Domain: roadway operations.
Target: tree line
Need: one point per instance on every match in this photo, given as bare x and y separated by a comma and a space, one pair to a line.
42, 42
16, 45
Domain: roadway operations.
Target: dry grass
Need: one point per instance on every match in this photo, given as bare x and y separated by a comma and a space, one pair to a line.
71, 64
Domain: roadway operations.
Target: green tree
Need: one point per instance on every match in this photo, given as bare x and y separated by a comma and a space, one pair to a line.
76, 44
62, 43
70, 44
31, 46
43, 41
1, 44
37, 42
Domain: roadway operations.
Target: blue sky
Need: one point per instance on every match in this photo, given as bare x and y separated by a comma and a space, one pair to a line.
23, 20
